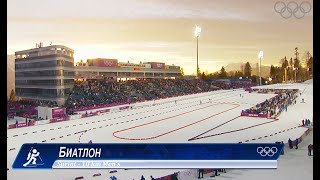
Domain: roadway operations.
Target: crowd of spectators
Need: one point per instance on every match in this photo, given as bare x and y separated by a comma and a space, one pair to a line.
231, 84
306, 122
26, 108
274, 105
16, 105
20, 108
98, 92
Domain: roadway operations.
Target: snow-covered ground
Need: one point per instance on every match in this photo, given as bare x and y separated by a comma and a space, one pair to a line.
293, 165
167, 121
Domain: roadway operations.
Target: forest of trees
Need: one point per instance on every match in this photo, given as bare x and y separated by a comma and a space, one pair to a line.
296, 69
224, 74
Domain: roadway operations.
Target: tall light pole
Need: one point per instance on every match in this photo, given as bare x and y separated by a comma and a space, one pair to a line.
260, 55
197, 34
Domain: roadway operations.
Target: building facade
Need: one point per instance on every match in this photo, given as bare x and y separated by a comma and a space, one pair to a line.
44, 73
101, 68
48, 73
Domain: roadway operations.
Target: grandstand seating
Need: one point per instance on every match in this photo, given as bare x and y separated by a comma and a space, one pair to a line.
93, 94
274, 105
100, 92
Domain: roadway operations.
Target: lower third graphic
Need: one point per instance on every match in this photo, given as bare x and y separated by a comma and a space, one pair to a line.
33, 159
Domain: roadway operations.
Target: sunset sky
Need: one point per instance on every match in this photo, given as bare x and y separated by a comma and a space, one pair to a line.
161, 30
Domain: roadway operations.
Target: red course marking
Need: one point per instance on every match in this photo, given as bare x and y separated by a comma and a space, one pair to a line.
114, 133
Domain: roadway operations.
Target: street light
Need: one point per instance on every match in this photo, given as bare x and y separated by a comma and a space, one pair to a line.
260, 55
197, 32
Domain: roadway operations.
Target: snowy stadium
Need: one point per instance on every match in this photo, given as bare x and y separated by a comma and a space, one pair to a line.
207, 117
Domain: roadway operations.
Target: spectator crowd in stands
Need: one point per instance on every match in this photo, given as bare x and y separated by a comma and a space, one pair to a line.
26, 108
231, 84
101, 93
97, 93
274, 105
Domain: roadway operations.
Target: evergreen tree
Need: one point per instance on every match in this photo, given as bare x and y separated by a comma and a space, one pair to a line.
203, 76
198, 71
223, 73
272, 72
12, 96
284, 63
310, 66
182, 72
291, 62
231, 74
238, 74
247, 70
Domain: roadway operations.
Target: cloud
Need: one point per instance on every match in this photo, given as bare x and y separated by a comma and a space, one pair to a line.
131, 9
233, 31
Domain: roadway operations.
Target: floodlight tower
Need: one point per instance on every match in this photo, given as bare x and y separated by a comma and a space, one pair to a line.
260, 55
197, 34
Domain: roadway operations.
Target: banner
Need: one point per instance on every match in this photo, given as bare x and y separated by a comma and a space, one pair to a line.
157, 65
105, 62
104, 111
32, 123
58, 112
21, 125
11, 126
87, 115
54, 120
190, 174
148, 156
254, 115
124, 107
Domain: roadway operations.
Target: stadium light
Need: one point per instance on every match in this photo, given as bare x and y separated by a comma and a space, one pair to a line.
260, 55
197, 32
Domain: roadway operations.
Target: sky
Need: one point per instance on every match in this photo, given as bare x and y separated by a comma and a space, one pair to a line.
233, 31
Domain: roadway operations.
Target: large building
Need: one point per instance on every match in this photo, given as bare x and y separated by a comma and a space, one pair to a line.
44, 73
101, 68
48, 73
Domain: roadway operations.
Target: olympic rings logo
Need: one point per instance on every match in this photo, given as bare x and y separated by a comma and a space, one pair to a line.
108, 62
187, 173
267, 151
292, 8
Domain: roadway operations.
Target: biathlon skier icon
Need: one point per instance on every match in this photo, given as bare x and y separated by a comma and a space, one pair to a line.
32, 158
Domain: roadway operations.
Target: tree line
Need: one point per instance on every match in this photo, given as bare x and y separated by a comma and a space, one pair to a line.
293, 69
246, 73
287, 70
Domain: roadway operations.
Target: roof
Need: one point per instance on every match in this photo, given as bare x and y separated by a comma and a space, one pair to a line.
42, 49
229, 79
